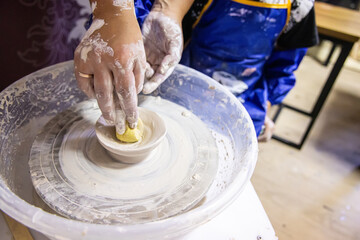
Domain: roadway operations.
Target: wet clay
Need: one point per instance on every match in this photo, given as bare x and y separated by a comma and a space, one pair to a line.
154, 130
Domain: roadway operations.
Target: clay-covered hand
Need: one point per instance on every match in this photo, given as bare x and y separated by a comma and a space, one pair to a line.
163, 41
112, 52
268, 131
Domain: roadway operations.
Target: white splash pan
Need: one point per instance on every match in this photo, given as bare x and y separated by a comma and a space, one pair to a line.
29, 103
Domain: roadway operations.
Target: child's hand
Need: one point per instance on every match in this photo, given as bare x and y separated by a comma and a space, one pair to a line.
163, 41
268, 131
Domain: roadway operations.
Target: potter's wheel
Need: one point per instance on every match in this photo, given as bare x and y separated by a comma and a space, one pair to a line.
76, 177
30, 103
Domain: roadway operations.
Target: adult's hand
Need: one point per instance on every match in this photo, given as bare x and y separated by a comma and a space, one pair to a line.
163, 40
110, 62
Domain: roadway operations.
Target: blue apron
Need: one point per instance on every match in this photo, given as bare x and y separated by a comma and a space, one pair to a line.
231, 42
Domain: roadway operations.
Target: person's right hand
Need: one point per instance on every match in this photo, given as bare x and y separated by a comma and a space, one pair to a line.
110, 64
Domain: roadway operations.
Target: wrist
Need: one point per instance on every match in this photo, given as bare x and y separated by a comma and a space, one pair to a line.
169, 13
119, 28
109, 9
268, 103
174, 9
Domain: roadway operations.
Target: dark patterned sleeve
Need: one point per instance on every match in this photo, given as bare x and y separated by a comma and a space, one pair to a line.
191, 17
301, 30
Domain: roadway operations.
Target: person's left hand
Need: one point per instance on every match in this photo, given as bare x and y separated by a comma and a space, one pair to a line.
163, 42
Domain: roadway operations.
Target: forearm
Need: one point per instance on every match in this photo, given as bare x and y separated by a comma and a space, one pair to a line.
106, 9
175, 9
116, 15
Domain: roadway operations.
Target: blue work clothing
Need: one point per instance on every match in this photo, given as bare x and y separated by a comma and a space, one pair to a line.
234, 43
142, 9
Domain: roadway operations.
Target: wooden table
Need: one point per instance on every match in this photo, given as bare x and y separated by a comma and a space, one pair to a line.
342, 27
337, 22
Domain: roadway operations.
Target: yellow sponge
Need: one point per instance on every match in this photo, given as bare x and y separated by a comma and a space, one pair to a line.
132, 135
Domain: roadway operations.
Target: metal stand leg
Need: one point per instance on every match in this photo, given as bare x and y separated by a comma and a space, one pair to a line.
278, 112
345, 50
330, 55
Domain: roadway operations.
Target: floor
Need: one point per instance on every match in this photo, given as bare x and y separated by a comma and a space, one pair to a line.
314, 193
